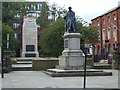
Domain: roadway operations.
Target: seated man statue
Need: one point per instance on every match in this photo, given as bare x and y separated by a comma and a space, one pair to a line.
71, 25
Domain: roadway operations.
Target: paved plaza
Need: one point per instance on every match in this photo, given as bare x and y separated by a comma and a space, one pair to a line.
37, 79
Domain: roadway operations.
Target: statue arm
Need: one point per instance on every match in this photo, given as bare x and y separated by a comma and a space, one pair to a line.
65, 17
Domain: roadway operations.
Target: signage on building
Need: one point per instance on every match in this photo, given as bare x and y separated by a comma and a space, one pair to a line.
87, 43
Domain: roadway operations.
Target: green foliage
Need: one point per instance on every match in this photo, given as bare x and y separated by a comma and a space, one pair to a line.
13, 60
51, 39
9, 12
6, 29
11, 9
54, 11
43, 18
88, 32
0, 34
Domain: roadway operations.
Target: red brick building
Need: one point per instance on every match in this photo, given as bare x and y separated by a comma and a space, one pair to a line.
108, 25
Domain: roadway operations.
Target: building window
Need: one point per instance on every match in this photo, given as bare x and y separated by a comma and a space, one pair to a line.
16, 25
36, 6
98, 23
99, 34
108, 19
104, 34
15, 35
103, 21
115, 33
114, 17
32, 6
109, 34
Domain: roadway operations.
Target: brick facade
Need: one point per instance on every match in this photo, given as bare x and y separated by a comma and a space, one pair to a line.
108, 25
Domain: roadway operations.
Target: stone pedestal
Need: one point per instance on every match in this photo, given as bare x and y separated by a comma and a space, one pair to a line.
72, 57
116, 60
29, 38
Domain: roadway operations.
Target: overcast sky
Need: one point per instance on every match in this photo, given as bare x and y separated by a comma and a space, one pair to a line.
86, 9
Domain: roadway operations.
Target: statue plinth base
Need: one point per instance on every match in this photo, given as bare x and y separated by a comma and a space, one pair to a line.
72, 56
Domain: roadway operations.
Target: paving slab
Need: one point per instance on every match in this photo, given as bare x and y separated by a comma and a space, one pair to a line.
37, 79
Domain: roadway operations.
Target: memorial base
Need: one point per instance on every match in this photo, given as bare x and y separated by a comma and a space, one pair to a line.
72, 57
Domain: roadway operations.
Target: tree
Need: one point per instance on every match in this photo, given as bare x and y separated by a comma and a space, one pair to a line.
51, 39
56, 11
43, 18
91, 33
9, 9
13, 9
6, 29
88, 32
0, 33
53, 11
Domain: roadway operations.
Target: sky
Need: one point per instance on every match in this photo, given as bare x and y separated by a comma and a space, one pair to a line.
85, 9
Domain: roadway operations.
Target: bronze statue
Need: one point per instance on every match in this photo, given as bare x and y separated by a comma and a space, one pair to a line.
71, 25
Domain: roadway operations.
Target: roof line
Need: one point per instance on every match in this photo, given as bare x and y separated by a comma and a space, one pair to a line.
111, 10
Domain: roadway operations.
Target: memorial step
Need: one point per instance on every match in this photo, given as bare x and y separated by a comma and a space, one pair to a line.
21, 67
71, 73
24, 59
102, 66
24, 62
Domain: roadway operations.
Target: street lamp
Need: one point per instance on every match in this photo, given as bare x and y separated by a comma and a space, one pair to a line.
86, 45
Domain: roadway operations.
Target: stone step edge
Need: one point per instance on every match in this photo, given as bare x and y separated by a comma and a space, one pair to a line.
52, 74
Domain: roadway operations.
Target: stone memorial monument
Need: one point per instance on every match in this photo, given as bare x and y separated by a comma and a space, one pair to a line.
29, 37
72, 60
72, 56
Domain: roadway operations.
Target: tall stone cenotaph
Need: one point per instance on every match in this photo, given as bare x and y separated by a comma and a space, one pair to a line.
29, 37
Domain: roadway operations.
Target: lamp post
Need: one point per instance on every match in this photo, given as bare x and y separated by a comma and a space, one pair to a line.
2, 75
85, 70
86, 46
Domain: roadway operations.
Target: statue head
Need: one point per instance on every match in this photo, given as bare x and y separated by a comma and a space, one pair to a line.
70, 8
